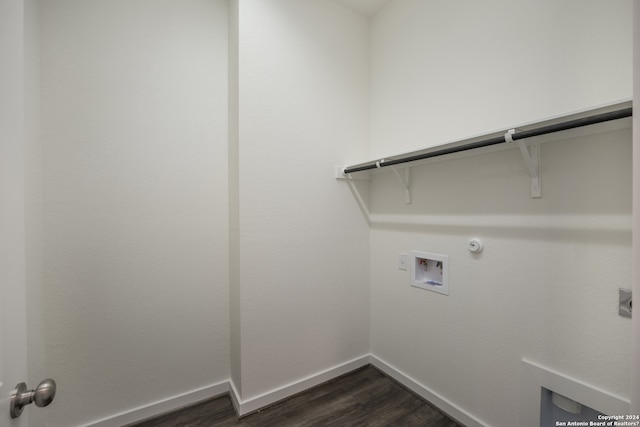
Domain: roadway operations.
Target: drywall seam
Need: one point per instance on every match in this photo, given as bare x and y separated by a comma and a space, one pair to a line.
445, 405
161, 406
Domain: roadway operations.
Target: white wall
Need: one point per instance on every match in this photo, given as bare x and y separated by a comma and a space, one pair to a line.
546, 285
635, 371
33, 207
143, 218
13, 156
303, 243
235, 329
484, 66
145, 224
134, 108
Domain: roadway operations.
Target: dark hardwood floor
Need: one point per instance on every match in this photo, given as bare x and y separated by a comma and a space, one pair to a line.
365, 397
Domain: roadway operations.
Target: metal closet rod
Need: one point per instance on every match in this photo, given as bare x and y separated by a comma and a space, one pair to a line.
544, 130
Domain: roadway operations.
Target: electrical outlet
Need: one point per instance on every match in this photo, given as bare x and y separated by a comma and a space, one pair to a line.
625, 302
402, 261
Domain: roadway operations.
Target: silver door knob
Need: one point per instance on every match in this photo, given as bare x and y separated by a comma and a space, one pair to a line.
41, 396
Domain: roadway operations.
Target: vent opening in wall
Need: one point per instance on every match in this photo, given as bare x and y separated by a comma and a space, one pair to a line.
558, 410
550, 398
430, 271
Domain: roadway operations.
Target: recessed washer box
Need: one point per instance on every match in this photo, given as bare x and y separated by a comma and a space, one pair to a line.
430, 271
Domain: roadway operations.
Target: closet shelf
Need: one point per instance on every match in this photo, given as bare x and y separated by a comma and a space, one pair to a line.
530, 151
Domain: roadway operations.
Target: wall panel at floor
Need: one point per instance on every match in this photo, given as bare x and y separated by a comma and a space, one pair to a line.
544, 288
134, 122
303, 242
546, 285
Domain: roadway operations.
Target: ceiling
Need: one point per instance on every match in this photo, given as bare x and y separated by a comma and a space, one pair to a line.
365, 7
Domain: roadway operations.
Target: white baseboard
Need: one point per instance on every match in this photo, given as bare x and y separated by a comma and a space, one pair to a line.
234, 396
445, 405
162, 406
244, 407
252, 404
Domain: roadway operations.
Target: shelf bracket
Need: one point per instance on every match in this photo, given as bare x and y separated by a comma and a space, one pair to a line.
531, 155
406, 181
339, 174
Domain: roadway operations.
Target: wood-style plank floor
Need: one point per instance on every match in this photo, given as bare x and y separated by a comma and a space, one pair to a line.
365, 397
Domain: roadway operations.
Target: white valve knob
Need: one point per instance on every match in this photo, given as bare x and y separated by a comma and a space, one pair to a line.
474, 246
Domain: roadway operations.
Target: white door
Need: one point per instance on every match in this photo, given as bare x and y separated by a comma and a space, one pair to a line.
13, 344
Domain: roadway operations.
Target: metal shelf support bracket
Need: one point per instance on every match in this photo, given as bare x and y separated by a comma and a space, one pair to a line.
531, 155
406, 182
